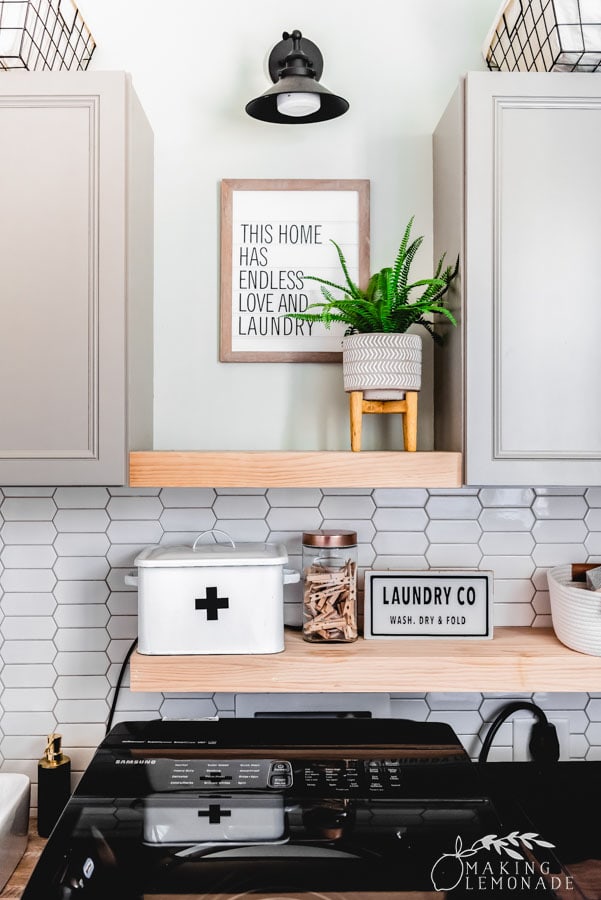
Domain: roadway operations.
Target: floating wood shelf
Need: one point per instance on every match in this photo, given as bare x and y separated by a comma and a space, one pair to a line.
172, 468
516, 659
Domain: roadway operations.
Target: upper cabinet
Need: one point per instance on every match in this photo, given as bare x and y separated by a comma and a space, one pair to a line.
76, 263
517, 193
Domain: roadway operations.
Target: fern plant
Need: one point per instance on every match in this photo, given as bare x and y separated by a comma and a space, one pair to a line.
390, 303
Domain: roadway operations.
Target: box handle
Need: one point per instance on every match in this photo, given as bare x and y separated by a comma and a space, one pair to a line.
214, 531
291, 576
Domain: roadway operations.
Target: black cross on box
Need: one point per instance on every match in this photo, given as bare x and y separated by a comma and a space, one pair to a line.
212, 603
215, 813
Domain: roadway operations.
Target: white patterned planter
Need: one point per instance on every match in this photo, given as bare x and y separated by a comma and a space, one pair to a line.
383, 364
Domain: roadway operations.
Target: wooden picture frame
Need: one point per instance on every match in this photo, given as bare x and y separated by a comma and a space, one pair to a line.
269, 243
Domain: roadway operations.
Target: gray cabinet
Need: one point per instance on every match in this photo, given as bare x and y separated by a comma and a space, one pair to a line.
76, 252
517, 192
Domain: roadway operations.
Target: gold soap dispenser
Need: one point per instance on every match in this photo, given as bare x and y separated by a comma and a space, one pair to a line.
54, 784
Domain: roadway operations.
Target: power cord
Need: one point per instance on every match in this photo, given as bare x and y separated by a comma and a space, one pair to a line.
543, 745
109, 722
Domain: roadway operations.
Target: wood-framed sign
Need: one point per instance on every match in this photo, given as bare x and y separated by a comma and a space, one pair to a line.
445, 603
273, 234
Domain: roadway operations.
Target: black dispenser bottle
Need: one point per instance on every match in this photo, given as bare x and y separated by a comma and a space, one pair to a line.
54, 785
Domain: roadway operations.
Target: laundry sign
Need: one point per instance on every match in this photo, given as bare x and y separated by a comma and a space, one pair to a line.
431, 603
274, 234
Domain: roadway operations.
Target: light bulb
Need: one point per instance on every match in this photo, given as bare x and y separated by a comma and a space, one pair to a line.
297, 105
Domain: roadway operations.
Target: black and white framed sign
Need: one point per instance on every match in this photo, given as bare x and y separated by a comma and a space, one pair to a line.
447, 603
273, 234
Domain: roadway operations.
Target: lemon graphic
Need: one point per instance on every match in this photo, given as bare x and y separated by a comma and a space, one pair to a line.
448, 870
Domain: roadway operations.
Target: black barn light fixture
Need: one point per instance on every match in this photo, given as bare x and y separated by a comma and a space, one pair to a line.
295, 66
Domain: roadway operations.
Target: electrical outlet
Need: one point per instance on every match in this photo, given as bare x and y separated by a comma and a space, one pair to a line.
521, 737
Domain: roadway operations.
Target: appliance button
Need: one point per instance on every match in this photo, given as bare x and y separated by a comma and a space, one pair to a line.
280, 781
88, 868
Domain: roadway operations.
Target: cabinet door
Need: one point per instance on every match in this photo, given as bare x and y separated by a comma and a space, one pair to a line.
62, 281
533, 279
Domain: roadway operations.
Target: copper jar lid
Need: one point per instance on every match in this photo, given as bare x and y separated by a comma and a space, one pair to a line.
326, 538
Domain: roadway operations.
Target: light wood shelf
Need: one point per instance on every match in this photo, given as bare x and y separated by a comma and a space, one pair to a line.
330, 468
516, 659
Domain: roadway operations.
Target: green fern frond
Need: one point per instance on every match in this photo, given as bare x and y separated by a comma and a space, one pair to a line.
452, 271
400, 258
305, 316
353, 289
432, 292
330, 284
362, 315
386, 305
436, 337
443, 311
329, 297
329, 317
374, 290
433, 285
401, 283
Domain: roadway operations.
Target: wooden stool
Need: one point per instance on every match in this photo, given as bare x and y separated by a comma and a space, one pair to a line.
407, 407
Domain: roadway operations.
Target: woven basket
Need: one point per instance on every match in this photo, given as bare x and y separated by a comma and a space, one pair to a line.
575, 611
545, 36
43, 34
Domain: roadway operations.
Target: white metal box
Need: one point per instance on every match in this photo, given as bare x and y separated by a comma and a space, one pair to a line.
215, 819
212, 598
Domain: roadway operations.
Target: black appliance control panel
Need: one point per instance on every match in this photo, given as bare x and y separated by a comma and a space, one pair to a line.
365, 776
310, 777
165, 774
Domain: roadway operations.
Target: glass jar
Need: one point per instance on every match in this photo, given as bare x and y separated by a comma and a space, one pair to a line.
330, 585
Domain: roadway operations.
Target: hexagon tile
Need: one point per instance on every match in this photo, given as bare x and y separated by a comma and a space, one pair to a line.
67, 618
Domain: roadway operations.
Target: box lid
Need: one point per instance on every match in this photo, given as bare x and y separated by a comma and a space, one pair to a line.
242, 554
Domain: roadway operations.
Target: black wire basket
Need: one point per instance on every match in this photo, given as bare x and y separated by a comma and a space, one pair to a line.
546, 36
43, 34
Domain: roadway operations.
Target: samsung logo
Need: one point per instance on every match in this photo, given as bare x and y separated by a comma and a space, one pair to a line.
135, 762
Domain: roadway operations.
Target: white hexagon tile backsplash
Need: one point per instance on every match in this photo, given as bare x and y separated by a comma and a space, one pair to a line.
67, 618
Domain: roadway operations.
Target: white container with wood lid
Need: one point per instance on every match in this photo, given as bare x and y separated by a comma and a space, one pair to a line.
211, 598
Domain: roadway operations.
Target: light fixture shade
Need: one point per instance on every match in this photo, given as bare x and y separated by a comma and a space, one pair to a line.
265, 107
295, 65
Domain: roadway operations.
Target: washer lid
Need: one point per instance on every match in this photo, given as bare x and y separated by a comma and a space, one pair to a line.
242, 554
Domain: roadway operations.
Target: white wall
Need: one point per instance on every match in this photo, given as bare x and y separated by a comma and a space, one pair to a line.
194, 65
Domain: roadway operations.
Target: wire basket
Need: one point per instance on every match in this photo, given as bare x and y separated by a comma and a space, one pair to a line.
575, 611
43, 34
546, 36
